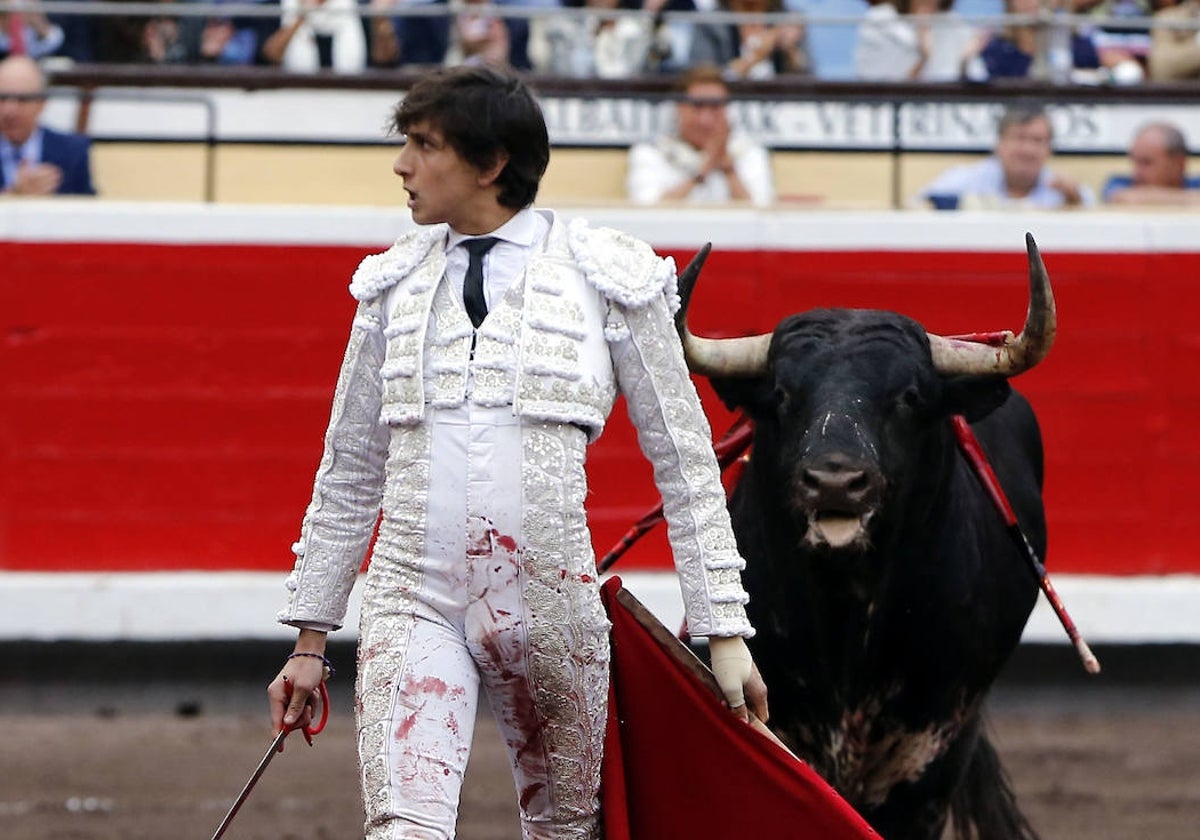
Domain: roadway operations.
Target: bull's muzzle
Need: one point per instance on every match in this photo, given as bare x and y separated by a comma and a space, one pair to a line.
838, 497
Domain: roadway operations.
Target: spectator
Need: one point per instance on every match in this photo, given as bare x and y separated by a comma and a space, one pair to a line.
672, 46
1175, 53
1015, 176
178, 38
318, 34
589, 45
430, 39
29, 32
932, 45
478, 37
234, 41
751, 50
1010, 52
165, 41
518, 30
1159, 156
79, 34
35, 160
704, 161
409, 39
1122, 47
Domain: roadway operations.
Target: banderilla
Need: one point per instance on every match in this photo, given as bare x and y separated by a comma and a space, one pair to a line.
973, 451
728, 449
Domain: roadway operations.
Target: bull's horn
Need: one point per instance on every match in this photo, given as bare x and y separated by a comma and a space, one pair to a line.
721, 357
953, 356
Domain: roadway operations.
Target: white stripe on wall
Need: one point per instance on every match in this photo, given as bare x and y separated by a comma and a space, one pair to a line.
195, 606
771, 229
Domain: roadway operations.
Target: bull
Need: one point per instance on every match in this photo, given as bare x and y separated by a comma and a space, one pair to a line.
886, 590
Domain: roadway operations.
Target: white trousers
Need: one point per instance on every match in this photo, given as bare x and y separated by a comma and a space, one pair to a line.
482, 573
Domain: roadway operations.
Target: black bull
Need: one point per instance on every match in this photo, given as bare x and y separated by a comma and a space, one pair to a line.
886, 590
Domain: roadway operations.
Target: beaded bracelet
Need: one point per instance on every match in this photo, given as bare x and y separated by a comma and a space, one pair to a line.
324, 661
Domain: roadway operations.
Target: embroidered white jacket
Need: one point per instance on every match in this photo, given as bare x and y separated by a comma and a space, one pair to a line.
591, 316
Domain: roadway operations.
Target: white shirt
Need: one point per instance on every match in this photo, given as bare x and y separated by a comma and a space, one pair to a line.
655, 168
888, 46
503, 264
338, 19
506, 260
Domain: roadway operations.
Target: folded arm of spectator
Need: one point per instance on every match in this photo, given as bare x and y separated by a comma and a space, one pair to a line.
1175, 53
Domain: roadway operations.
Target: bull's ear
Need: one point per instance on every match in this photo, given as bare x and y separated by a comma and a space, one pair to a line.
974, 397
754, 396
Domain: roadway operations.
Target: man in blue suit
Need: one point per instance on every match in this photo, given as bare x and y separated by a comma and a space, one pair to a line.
35, 160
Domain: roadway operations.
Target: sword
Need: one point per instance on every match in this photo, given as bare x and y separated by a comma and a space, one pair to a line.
276, 747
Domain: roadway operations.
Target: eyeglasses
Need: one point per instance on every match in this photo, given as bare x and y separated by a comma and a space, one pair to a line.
22, 97
706, 101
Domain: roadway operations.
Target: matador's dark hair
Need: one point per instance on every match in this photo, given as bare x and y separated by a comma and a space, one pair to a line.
484, 112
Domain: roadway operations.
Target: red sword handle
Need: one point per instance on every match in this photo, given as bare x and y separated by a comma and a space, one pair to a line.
276, 747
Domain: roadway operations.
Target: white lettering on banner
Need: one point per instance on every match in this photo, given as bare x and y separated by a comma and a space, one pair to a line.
360, 117
972, 125
595, 121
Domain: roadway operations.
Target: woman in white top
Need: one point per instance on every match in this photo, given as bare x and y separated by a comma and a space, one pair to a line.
921, 39
318, 34
587, 45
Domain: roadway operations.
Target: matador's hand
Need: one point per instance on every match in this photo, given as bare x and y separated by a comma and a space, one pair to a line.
736, 674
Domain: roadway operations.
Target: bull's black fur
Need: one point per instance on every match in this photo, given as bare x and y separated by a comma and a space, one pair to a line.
863, 648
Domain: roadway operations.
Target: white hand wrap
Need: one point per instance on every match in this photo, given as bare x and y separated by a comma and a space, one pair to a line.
731, 665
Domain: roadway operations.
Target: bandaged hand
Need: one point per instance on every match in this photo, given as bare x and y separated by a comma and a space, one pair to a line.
732, 666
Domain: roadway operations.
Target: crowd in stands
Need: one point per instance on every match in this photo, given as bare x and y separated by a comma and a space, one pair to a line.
1019, 173
934, 40
704, 159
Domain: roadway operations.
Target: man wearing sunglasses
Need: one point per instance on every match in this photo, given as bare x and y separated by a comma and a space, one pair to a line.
703, 161
35, 160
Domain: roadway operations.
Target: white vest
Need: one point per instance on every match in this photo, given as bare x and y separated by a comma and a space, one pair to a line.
542, 349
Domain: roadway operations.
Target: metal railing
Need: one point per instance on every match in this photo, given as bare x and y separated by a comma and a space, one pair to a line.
1048, 19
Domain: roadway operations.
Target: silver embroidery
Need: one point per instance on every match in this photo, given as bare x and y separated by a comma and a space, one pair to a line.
570, 681
386, 619
337, 525
674, 434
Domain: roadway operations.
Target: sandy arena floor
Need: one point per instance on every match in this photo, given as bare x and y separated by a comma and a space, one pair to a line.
81, 762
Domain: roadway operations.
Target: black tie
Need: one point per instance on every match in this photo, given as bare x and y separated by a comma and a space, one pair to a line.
473, 284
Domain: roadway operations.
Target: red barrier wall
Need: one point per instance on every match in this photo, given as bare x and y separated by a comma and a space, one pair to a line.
163, 405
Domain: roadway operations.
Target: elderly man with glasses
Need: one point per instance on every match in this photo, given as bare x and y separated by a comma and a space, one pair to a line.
35, 160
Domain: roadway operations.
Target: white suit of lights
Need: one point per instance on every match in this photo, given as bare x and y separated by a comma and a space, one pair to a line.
483, 568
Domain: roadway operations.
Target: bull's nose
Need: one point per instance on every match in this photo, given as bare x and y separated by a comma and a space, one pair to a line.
838, 486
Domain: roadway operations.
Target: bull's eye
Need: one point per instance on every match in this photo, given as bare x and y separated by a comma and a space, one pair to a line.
780, 399
910, 399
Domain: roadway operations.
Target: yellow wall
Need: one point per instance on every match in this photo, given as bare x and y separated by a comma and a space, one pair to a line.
361, 175
150, 171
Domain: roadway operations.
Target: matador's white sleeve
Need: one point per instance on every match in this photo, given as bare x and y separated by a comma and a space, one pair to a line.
348, 488
672, 430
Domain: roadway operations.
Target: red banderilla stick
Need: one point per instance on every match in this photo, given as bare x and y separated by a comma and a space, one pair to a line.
987, 477
728, 449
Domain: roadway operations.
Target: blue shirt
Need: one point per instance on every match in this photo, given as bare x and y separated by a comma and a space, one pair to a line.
985, 180
11, 157
1124, 182
1002, 58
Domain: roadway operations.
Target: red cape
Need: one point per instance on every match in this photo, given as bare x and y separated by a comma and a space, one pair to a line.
677, 763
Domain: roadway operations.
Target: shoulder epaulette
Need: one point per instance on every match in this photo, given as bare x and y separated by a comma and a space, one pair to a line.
379, 272
622, 267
